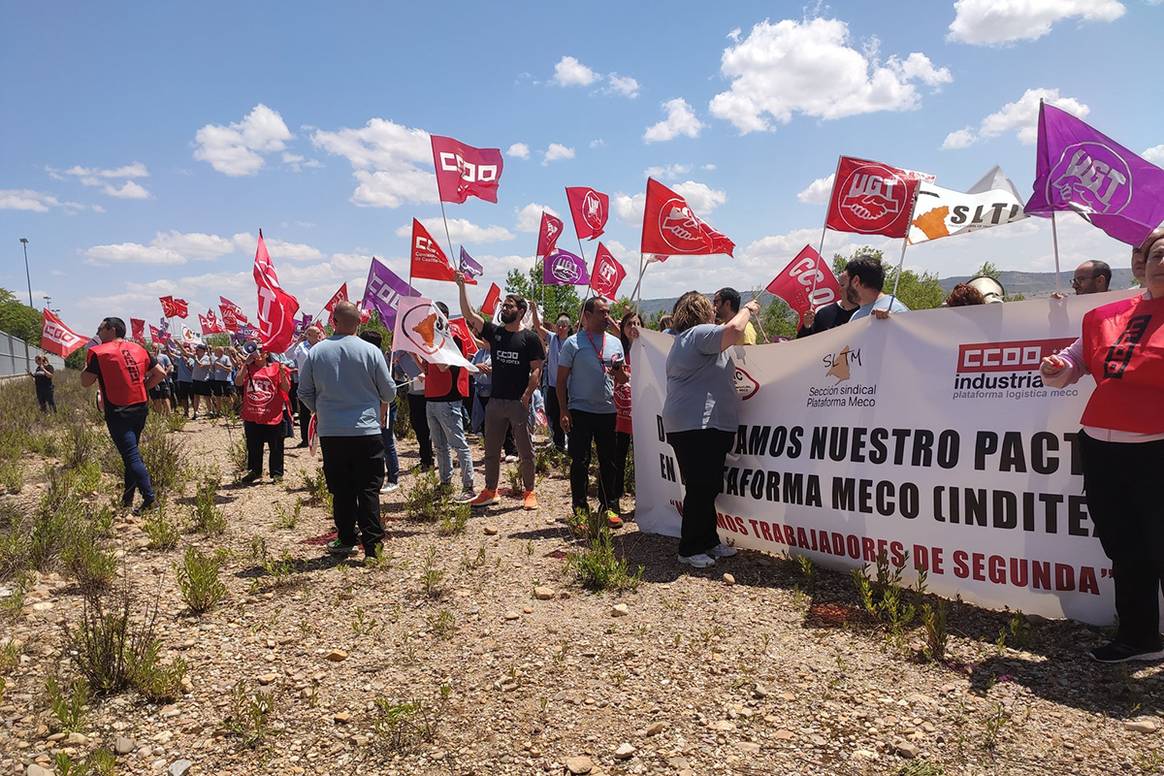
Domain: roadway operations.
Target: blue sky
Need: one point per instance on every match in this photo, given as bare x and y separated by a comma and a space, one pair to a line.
136, 158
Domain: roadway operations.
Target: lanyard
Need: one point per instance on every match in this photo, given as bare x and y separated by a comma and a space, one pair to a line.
598, 353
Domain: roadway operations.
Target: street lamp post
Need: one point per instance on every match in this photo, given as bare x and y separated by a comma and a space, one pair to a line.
28, 278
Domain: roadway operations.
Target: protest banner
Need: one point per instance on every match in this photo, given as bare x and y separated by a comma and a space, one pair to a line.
930, 433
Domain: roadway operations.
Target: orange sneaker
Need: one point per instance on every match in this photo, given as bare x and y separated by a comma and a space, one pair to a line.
529, 500
612, 519
487, 497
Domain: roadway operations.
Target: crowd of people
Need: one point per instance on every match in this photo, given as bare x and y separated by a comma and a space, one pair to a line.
576, 380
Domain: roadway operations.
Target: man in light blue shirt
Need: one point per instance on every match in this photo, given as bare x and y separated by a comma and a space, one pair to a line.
590, 365
343, 381
866, 279
299, 354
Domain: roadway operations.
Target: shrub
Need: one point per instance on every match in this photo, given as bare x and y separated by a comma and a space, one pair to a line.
403, 726
67, 702
237, 453
162, 454
599, 568
161, 531
316, 486
934, 621
425, 500
11, 477
92, 567
454, 518
205, 515
288, 519
198, 579
249, 717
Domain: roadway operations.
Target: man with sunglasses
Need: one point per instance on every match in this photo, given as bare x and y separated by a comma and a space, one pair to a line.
126, 372
1091, 277
517, 355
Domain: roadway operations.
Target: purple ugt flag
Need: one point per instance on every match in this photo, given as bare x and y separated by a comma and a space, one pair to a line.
470, 266
1079, 168
562, 268
383, 291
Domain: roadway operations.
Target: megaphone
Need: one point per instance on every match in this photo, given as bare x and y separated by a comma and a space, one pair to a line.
990, 288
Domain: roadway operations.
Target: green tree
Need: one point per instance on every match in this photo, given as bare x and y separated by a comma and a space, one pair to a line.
778, 319
18, 319
551, 300
989, 270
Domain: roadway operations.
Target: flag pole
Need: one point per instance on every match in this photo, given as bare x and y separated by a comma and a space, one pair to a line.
904, 245
447, 235
1054, 227
824, 229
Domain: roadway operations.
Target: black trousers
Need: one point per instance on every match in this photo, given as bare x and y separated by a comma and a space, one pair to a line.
587, 427
304, 421
354, 470
622, 443
554, 416
418, 419
1119, 480
700, 455
258, 434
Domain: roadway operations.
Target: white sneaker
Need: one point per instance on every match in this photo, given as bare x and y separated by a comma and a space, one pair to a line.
465, 497
511, 459
389, 487
699, 560
722, 551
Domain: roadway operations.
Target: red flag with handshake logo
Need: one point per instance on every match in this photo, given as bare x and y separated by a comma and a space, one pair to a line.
873, 198
277, 308
671, 228
56, 337
590, 209
173, 307
608, 274
463, 171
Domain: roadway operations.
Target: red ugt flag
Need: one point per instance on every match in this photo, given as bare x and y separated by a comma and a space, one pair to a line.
463, 171
232, 315
548, 234
209, 323
794, 283
172, 307
670, 228
339, 296
428, 260
608, 274
56, 337
872, 198
277, 308
590, 209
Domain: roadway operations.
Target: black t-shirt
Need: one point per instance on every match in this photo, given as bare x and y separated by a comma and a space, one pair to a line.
827, 317
511, 353
43, 375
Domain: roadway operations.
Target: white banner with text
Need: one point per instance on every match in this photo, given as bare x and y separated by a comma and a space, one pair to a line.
928, 436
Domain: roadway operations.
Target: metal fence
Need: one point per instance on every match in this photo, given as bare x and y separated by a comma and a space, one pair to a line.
12, 357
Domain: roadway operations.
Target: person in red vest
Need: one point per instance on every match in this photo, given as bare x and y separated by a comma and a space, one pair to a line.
265, 385
1122, 449
126, 372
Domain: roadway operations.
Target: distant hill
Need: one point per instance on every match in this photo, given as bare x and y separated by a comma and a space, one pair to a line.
1029, 284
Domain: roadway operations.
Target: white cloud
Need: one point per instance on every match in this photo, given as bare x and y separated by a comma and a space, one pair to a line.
701, 197
681, 120
959, 138
519, 150
181, 247
461, 230
597, 143
246, 243
624, 85
818, 191
1020, 116
810, 67
667, 171
709, 167
237, 149
557, 151
529, 218
994, 22
391, 163
132, 170
630, 207
299, 163
39, 202
1155, 155
128, 190
133, 253
570, 72
194, 245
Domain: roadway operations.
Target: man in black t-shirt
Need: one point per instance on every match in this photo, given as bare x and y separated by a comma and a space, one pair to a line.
517, 355
831, 315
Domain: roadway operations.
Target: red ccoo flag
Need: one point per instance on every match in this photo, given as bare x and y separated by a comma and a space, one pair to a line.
548, 234
428, 260
463, 171
795, 282
339, 296
172, 307
137, 326
56, 337
277, 308
872, 198
670, 228
210, 324
608, 274
589, 209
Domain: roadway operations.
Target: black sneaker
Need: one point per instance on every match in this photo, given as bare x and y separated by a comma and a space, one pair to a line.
142, 508
250, 478
1118, 652
336, 547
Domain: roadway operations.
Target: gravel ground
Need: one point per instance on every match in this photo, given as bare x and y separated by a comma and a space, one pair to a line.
743, 669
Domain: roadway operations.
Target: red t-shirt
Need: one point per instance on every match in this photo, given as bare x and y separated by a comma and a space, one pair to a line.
263, 398
1123, 346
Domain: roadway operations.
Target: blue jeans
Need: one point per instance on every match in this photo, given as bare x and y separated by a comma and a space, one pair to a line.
125, 431
448, 434
391, 459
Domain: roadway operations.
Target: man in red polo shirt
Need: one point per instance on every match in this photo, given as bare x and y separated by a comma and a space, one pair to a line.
126, 373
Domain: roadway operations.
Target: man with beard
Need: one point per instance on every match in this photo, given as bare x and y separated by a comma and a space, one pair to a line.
517, 369
831, 315
866, 281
